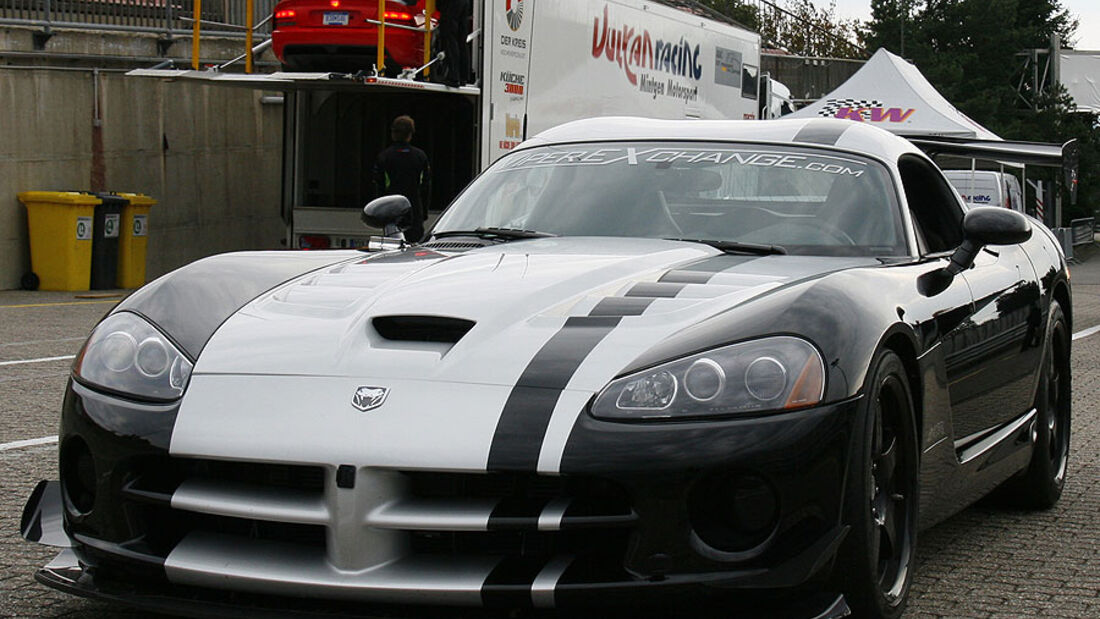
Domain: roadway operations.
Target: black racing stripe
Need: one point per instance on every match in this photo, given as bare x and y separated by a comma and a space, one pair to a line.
661, 290
717, 264
509, 584
517, 513
685, 277
621, 306
817, 132
527, 412
702, 271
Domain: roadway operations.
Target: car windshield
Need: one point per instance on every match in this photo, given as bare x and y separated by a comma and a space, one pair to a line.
805, 200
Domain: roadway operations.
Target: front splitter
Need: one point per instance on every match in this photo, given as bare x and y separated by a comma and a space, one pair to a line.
67, 574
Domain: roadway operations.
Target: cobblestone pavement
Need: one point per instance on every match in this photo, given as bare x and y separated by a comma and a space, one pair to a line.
985, 561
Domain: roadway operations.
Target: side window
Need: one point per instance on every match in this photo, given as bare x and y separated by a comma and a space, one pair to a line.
936, 212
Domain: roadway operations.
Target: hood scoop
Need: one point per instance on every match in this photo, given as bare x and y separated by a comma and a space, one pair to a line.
458, 245
434, 329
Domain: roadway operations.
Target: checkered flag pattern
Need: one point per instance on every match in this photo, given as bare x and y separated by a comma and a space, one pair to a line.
832, 105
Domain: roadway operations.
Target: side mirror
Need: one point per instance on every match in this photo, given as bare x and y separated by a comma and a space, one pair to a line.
983, 225
391, 213
990, 225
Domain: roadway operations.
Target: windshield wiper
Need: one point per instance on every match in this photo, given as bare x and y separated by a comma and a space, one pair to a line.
503, 233
735, 247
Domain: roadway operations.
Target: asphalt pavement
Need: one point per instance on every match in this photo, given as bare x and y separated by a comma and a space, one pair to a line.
985, 561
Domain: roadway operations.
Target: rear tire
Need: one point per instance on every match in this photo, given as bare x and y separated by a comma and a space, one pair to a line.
29, 281
1040, 485
875, 564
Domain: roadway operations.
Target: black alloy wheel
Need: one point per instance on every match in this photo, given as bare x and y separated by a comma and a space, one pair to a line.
1040, 485
875, 567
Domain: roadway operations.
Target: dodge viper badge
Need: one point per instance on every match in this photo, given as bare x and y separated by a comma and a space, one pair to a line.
369, 398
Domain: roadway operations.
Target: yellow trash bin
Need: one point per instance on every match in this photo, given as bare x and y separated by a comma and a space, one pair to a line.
60, 225
134, 240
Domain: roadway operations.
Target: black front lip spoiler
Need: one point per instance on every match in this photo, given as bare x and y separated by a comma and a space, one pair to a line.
67, 574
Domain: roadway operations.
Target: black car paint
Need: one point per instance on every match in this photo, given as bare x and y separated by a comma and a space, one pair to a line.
190, 303
850, 314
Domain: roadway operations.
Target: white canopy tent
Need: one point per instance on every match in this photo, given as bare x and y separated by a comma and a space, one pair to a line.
893, 94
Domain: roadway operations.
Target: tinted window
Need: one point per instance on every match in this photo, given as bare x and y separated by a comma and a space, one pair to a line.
808, 200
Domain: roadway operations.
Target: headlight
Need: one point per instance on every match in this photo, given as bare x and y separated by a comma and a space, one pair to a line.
775, 373
128, 355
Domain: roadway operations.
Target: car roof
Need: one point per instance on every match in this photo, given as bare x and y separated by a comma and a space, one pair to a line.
845, 135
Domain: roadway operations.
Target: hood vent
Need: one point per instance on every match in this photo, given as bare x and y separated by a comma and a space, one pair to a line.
457, 245
422, 328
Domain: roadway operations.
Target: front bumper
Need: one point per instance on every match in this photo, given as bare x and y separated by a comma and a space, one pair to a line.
66, 573
637, 513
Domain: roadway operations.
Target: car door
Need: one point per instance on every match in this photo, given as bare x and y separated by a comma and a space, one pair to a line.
992, 373
989, 350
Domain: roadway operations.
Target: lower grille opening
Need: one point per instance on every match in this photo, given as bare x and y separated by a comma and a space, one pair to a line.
512, 486
166, 527
277, 475
536, 544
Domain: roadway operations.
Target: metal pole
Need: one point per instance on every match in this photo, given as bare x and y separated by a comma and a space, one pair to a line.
429, 8
381, 64
196, 26
248, 7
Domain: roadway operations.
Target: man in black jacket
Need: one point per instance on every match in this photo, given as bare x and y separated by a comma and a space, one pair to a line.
404, 169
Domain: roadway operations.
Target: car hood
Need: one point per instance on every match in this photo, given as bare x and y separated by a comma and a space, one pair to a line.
553, 321
516, 295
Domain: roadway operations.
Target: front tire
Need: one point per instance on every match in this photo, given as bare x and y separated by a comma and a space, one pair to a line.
1040, 485
875, 566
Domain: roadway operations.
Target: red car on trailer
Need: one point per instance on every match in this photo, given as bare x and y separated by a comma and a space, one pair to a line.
338, 35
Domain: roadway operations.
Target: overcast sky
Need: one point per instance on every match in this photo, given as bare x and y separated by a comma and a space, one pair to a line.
1088, 11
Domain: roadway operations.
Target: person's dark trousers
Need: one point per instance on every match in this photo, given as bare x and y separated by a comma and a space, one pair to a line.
454, 18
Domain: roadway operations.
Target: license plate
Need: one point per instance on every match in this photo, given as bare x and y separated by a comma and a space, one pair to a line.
333, 18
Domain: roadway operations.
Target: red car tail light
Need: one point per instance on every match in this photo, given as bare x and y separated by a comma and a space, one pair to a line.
285, 14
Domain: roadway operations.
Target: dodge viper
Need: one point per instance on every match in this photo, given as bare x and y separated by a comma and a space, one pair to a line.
329, 35
634, 360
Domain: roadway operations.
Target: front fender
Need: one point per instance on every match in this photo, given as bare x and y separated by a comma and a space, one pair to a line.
190, 303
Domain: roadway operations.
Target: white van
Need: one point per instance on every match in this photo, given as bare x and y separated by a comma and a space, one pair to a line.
987, 188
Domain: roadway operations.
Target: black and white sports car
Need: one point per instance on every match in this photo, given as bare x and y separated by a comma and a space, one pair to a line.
635, 358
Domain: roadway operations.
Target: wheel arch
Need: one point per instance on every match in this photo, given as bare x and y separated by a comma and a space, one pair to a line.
902, 345
1061, 295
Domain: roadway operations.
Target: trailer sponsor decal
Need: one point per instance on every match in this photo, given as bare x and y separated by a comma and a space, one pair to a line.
636, 50
513, 82
727, 67
514, 12
864, 110
682, 157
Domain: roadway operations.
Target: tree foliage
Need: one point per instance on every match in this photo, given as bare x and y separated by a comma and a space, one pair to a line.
797, 27
970, 51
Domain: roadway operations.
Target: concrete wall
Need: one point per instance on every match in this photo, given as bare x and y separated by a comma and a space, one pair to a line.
210, 155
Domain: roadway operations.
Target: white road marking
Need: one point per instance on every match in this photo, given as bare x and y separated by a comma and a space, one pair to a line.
60, 339
31, 442
1086, 332
39, 360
